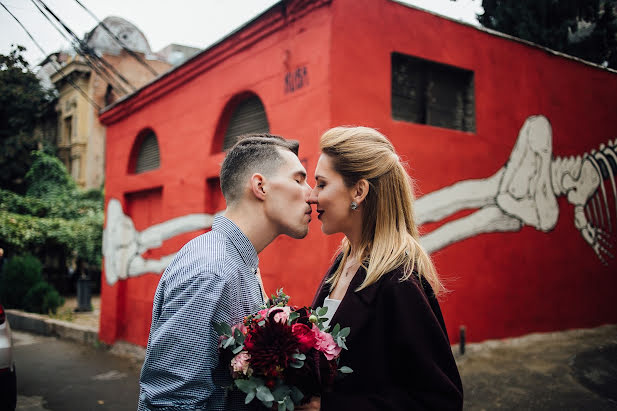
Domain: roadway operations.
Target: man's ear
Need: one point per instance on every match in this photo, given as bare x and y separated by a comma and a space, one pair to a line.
258, 186
360, 191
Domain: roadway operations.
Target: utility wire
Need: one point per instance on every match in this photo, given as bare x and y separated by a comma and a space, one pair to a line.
59, 67
119, 41
87, 49
93, 63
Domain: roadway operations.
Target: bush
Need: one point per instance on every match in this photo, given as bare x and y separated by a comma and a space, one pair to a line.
19, 275
43, 299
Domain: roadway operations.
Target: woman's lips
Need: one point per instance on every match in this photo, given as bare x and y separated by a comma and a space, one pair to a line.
319, 214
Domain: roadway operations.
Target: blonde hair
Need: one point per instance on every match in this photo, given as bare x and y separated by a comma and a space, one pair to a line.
390, 237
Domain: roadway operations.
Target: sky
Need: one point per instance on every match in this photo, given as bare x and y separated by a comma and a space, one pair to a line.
197, 23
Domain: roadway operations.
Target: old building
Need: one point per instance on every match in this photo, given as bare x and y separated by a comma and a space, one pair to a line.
81, 137
511, 146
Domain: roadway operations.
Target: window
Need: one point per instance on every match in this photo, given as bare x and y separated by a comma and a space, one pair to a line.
148, 155
430, 93
68, 130
249, 116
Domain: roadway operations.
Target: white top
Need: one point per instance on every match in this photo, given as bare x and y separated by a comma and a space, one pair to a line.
332, 307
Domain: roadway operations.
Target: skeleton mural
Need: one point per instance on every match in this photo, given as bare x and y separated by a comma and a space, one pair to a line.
123, 245
523, 192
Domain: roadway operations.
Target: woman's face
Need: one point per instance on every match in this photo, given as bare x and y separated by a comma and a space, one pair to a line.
332, 198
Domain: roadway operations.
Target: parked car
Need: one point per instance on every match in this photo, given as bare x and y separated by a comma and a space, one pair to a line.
8, 378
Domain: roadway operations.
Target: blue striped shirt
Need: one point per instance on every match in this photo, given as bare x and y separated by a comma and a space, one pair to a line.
212, 278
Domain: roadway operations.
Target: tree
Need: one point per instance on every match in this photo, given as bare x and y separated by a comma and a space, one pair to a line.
23, 104
582, 28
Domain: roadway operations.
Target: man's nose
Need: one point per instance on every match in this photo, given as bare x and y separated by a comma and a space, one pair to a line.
312, 198
307, 191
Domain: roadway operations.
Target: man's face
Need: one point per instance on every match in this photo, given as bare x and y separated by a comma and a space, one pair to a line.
287, 197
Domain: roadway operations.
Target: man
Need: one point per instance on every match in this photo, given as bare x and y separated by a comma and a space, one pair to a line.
215, 276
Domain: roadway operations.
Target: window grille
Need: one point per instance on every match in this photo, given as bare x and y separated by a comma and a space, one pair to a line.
430, 93
248, 117
148, 157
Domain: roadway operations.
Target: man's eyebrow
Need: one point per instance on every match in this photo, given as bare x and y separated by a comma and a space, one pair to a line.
300, 173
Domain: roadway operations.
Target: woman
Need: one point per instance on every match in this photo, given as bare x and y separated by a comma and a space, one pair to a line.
382, 284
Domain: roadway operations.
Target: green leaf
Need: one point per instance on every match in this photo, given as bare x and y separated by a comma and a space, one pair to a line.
238, 349
264, 394
341, 343
296, 394
219, 328
229, 342
282, 406
344, 332
245, 385
238, 336
296, 364
249, 397
292, 317
336, 330
299, 356
289, 403
321, 311
345, 370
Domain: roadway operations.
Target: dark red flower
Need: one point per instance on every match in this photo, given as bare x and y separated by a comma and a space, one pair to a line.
271, 347
305, 336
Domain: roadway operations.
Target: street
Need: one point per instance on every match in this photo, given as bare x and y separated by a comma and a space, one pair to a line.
59, 375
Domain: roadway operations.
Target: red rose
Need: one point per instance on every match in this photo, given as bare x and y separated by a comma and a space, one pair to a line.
305, 336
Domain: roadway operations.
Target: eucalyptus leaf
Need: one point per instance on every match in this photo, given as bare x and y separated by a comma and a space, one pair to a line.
336, 330
344, 332
282, 406
289, 403
299, 356
246, 386
264, 394
228, 342
296, 394
345, 370
249, 397
296, 364
341, 343
238, 349
321, 311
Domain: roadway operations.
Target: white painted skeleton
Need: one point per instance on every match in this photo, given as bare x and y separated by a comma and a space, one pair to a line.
524, 192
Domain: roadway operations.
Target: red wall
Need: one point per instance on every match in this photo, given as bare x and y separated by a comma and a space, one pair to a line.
501, 284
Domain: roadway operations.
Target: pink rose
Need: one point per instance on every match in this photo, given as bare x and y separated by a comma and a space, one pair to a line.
282, 314
325, 343
240, 363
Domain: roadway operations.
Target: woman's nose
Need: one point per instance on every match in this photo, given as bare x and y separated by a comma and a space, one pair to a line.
312, 199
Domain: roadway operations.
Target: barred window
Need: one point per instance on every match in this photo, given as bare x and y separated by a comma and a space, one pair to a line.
249, 116
431, 93
148, 157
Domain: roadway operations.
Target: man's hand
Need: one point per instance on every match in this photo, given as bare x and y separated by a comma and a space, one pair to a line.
313, 405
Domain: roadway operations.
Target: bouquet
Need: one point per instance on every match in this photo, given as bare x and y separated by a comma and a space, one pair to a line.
282, 354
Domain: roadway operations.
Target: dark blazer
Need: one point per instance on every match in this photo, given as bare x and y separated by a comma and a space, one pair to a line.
398, 347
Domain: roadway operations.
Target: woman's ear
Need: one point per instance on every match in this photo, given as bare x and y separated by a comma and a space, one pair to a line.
360, 190
258, 186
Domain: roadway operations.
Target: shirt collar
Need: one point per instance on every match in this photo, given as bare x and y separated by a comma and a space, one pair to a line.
244, 246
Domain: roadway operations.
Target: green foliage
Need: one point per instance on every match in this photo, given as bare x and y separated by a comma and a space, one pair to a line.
23, 104
19, 275
55, 215
42, 298
583, 28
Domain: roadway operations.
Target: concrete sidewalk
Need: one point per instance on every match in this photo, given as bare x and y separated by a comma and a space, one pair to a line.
567, 370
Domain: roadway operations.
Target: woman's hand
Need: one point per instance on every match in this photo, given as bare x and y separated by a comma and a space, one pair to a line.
313, 405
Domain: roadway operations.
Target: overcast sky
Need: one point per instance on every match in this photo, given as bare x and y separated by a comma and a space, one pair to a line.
197, 23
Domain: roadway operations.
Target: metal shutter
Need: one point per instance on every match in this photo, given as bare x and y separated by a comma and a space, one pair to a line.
148, 158
248, 117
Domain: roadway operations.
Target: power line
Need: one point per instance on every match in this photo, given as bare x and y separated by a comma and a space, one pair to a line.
119, 41
84, 47
59, 67
91, 62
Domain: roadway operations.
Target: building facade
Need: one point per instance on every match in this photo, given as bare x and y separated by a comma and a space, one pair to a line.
511, 147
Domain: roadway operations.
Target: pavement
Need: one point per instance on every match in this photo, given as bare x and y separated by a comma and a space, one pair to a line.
565, 370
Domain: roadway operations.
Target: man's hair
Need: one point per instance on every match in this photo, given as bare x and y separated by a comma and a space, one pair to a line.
253, 153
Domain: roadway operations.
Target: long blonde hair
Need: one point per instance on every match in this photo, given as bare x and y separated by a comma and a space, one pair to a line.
390, 237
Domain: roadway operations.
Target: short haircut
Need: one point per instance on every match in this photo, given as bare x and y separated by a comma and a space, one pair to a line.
253, 153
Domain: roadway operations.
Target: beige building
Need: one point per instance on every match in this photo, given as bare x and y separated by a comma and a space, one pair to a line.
81, 138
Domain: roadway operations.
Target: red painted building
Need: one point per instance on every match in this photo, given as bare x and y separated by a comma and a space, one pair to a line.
515, 206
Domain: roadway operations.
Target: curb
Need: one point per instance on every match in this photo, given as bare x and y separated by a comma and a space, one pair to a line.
40, 324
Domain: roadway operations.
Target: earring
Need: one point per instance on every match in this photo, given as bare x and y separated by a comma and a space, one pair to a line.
354, 205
